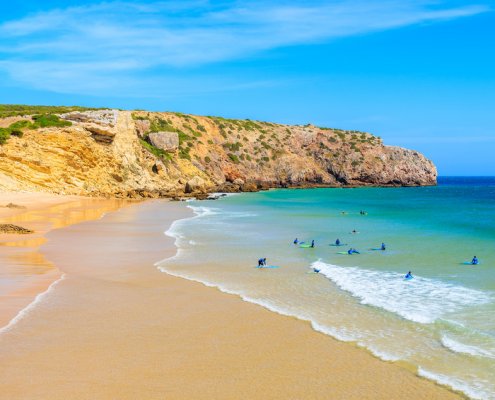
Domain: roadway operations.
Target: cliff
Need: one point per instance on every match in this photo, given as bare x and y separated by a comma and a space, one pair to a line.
142, 154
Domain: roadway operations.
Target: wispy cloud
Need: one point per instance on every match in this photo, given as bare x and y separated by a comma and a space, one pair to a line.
98, 47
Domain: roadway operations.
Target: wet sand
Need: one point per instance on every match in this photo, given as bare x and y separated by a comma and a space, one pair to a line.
24, 270
117, 328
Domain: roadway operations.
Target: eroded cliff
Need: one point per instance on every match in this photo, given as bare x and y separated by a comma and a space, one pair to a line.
129, 154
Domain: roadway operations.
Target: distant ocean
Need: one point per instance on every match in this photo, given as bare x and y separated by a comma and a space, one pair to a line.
442, 322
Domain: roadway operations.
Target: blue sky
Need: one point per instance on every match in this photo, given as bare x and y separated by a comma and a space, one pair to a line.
418, 73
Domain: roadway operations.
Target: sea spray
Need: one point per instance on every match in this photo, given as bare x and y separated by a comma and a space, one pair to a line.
419, 300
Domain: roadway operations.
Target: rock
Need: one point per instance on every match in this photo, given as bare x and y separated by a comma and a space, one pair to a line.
158, 167
12, 205
142, 127
238, 181
195, 184
9, 228
100, 117
100, 134
249, 187
168, 141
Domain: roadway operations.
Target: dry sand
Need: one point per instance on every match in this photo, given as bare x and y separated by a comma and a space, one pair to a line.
117, 328
24, 271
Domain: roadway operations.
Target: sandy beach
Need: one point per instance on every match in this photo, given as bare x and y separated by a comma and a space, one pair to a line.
25, 271
117, 328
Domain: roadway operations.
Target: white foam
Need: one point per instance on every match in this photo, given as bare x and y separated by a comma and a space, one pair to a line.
475, 390
458, 347
420, 300
29, 308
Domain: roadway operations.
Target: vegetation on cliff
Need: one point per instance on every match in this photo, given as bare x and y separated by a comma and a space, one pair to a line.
112, 152
35, 122
12, 110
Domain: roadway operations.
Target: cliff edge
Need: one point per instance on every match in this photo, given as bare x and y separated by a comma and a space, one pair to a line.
148, 154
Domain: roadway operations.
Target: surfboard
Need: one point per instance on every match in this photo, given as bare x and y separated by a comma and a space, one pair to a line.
268, 266
305, 246
338, 245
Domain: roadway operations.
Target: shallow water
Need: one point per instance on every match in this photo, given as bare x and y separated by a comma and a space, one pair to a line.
441, 321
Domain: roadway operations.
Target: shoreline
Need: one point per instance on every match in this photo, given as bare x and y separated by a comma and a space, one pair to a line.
417, 371
27, 274
116, 327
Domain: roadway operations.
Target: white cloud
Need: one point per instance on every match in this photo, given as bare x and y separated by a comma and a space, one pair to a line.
116, 41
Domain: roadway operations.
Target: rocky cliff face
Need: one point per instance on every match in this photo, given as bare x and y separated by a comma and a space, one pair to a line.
119, 153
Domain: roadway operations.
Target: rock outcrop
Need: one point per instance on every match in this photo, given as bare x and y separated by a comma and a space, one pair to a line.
143, 154
195, 185
168, 141
9, 228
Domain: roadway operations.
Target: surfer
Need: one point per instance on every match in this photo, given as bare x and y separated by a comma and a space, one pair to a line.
337, 242
313, 243
408, 275
296, 241
383, 247
264, 262
354, 231
350, 251
474, 261
316, 270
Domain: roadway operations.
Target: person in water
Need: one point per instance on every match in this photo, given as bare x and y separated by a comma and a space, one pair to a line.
264, 262
349, 251
316, 270
337, 242
313, 243
474, 261
383, 246
296, 241
260, 263
354, 231
408, 275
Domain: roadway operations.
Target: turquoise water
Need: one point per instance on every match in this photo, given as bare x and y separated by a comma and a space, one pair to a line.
441, 322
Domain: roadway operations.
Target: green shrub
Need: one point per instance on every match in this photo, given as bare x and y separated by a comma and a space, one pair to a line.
16, 132
4, 135
159, 124
12, 110
20, 124
183, 137
155, 150
138, 117
48, 120
184, 153
207, 159
234, 158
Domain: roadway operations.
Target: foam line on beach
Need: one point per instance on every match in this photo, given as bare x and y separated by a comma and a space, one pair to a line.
475, 391
342, 334
463, 348
31, 306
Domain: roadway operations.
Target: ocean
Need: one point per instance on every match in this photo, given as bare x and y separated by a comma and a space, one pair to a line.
441, 323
